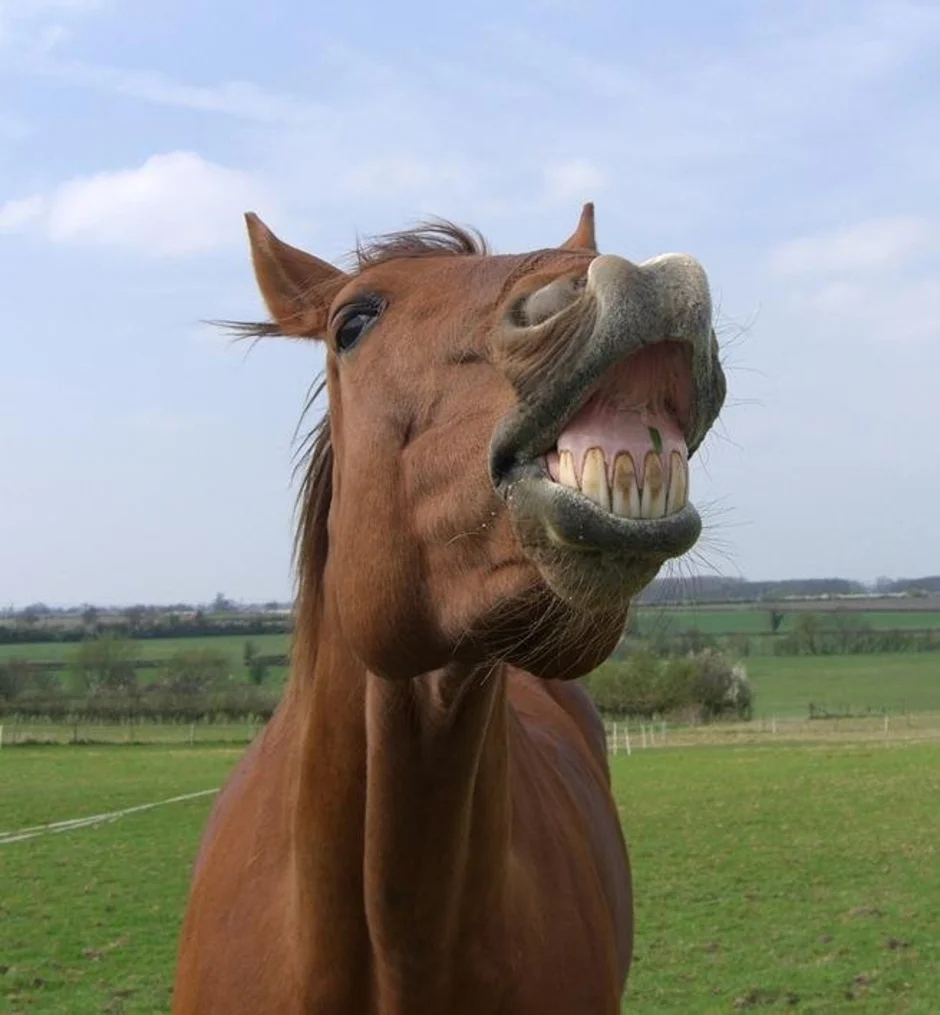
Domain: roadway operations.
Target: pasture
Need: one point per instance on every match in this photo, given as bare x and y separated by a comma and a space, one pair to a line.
232, 646
158, 648
786, 877
754, 618
896, 682
899, 684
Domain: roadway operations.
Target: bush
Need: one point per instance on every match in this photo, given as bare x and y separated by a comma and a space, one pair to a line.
194, 671
104, 664
644, 685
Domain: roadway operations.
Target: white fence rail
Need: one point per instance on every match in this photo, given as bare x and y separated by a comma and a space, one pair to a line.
625, 737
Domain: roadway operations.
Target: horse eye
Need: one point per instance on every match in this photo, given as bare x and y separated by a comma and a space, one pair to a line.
354, 322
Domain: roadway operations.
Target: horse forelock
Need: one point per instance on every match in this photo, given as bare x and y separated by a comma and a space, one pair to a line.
434, 238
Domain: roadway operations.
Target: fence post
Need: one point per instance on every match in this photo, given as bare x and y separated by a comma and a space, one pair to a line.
626, 733
643, 733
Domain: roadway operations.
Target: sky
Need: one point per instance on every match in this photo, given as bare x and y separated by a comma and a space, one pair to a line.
793, 147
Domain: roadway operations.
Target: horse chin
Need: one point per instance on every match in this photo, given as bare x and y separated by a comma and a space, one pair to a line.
593, 560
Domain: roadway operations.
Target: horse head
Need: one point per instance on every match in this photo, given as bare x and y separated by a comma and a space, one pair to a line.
505, 459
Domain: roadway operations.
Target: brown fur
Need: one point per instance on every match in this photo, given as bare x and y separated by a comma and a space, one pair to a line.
426, 826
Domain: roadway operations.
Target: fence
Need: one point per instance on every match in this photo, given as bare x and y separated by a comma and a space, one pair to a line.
625, 737
20, 732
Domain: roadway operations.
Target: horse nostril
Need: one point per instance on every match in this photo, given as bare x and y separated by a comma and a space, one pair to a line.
551, 299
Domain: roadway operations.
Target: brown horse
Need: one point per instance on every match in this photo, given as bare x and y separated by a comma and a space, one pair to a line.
425, 827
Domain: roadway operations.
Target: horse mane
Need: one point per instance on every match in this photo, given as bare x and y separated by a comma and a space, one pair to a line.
434, 238
315, 461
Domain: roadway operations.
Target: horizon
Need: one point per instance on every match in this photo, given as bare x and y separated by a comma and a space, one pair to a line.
794, 151
870, 587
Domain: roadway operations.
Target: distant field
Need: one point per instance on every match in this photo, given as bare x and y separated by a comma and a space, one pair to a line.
767, 878
784, 685
898, 682
750, 619
160, 648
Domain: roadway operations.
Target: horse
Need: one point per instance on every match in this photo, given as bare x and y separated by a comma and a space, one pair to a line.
426, 824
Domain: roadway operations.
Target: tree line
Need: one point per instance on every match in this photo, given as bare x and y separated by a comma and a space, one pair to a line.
100, 682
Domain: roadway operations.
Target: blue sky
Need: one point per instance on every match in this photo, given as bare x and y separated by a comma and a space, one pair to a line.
793, 147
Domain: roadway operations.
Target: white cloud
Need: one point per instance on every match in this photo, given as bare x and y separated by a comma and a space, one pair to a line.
399, 173
578, 180
875, 282
35, 22
873, 244
242, 99
899, 312
14, 215
174, 204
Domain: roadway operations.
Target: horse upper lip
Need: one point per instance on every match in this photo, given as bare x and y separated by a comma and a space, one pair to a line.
624, 308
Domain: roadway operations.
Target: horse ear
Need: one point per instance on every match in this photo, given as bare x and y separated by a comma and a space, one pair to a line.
583, 237
294, 284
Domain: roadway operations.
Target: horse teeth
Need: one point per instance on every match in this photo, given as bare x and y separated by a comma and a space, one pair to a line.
658, 491
653, 495
626, 498
594, 478
678, 483
566, 473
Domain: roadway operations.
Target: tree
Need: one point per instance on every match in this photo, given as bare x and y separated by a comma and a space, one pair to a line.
134, 616
194, 671
104, 663
255, 664
14, 678
806, 633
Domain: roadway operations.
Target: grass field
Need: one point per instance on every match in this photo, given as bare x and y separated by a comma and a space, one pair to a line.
756, 619
897, 682
784, 686
767, 878
160, 648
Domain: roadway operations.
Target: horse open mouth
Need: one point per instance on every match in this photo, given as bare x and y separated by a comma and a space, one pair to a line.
611, 475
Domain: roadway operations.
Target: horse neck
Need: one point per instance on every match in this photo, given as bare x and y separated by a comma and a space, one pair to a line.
404, 809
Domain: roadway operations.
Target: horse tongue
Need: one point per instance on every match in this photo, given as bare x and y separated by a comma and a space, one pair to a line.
616, 430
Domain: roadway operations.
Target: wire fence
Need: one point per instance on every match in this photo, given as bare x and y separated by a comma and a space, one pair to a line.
18, 732
624, 736
627, 736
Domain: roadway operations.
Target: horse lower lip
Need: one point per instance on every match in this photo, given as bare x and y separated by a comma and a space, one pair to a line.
571, 521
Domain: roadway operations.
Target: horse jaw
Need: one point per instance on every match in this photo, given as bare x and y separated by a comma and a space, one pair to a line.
618, 381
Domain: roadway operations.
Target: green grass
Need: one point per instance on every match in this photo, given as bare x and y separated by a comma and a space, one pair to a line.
659, 620
751, 619
898, 682
88, 919
784, 878
160, 648
30, 731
